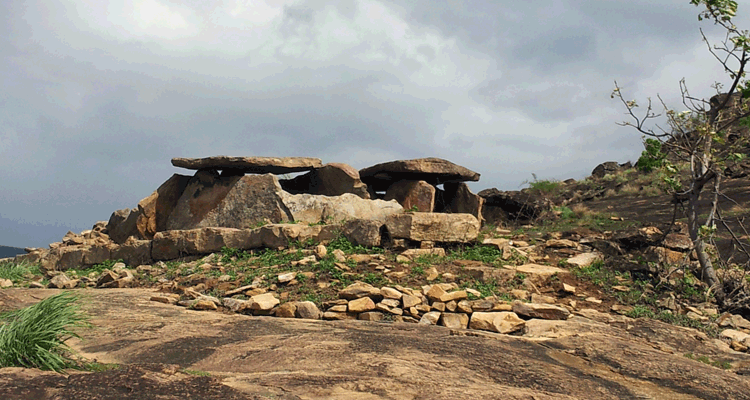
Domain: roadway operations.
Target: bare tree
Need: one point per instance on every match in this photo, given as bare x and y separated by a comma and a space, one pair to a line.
700, 135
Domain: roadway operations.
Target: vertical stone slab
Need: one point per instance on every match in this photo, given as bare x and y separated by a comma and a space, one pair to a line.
210, 200
412, 193
155, 209
459, 199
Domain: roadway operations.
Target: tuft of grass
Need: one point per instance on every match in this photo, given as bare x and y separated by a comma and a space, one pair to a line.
485, 254
340, 242
17, 272
707, 360
195, 372
34, 337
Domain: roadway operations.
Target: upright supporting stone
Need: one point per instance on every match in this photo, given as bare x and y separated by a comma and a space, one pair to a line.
419, 194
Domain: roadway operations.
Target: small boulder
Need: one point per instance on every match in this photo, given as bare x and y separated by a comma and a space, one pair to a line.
500, 322
543, 311
307, 310
358, 290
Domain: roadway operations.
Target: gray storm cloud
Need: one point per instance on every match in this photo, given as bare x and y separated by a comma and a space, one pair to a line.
98, 96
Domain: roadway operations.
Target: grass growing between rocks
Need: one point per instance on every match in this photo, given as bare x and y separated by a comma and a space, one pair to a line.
34, 337
18, 272
643, 296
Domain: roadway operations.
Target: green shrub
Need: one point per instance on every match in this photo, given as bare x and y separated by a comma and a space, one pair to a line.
34, 337
544, 186
652, 158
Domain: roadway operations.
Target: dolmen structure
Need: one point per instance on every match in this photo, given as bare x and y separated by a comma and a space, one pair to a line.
240, 202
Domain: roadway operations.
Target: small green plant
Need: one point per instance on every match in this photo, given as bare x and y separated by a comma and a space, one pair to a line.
486, 254
640, 311
417, 270
340, 242
566, 212
486, 288
99, 367
194, 372
97, 268
34, 337
707, 360
375, 279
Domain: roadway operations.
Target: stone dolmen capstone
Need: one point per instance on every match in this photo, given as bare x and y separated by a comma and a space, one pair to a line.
434, 171
252, 165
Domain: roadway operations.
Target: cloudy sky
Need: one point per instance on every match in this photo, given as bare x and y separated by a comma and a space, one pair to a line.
97, 96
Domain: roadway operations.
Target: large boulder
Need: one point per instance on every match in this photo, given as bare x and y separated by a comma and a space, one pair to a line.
419, 194
434, 171
253, 165
333, 179
518, 206
313, 209
607, 168
211, 200
154, 210
433, 227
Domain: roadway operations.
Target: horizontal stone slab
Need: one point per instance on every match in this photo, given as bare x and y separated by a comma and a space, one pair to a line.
252, 165
434, 171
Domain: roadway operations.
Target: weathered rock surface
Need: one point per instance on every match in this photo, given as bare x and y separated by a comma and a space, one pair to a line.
169, 245
123, 224
210, 200
434, 171
332, 179
543, 311
576, 359
363, 232
419, 194
252, 165
609, 167
433, 227
314, 209
154, 210
516, 206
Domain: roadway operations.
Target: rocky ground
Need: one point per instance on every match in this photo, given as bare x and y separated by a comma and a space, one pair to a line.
163, 352
579, 298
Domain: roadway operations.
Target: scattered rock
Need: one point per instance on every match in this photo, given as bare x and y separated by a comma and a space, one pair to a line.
286, 310
361, 305
430, 318
358, 290
307, 310
500, 322
263, 302
454, 320
585, 259
543, 311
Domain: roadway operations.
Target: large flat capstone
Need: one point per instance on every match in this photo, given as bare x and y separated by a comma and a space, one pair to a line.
434, 171
252, 165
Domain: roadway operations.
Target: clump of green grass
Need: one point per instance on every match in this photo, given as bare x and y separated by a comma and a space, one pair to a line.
707, 360
340, 242
17, 272
34, 337
486, 254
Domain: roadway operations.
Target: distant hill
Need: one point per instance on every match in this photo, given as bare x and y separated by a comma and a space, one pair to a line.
6, 251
